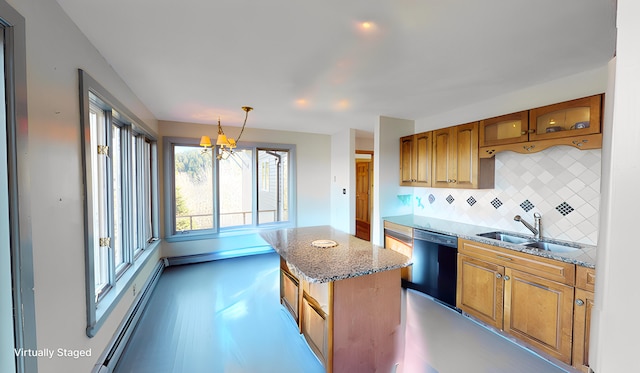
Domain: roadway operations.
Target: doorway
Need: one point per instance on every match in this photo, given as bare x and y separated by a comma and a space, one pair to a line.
364, 187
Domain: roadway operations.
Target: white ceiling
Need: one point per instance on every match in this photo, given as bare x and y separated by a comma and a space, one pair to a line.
310, 66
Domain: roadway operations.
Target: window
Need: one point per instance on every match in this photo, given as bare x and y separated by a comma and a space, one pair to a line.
121, 203
244, 191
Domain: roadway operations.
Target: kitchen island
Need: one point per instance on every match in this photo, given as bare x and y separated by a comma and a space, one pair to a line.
344, 294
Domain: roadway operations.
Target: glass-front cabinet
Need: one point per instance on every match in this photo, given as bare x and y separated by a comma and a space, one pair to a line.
505, 129
566, 119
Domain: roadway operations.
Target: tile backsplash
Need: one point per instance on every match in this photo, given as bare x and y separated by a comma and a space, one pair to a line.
561, 183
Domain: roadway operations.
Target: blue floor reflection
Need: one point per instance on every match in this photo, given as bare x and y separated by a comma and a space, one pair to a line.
221, 316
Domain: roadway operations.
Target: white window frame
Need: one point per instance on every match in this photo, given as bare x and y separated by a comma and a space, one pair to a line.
171, 235
139, 227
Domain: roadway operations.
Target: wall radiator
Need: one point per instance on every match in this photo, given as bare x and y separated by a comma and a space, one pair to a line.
109, 358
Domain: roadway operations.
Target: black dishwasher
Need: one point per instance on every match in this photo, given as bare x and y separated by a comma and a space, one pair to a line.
435, 266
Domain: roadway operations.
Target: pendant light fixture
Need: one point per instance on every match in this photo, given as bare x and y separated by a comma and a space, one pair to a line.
225, 144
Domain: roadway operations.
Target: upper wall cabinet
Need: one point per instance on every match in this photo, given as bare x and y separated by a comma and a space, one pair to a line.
575, 123
456, 163
505, 129
415, 159
566, 119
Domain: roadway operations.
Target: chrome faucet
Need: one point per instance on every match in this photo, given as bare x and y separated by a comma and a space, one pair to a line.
534, 229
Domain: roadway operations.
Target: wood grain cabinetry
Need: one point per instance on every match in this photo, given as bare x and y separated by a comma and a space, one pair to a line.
399, 238
456, 162
336, 319
415, 159
526, 296
583, 307
574, 123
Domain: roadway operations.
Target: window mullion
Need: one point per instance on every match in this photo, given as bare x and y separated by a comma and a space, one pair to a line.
110, 202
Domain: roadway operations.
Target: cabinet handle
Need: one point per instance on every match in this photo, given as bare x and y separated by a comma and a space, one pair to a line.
507, 278
579, 302
523, 132
451, 181
498, 275
528, 148
503, 257
532, 130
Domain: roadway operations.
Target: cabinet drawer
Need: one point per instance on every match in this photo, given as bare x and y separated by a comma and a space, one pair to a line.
397, 228
585, 278
548, 268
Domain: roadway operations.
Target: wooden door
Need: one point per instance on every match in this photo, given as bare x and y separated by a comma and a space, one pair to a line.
443, 150
363, 199
582, 311
480, 289
289, 293
466, 155
539, 312
403, 248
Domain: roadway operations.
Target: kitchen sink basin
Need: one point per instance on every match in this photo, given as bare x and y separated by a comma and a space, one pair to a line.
505, 237
553, 247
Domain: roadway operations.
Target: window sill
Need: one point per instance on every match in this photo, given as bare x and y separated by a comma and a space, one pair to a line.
104, 307
229, 232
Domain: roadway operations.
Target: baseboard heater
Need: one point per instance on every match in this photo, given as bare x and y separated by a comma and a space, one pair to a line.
109, 358
217, 255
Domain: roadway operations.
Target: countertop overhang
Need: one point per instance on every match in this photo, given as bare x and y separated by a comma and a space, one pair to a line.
351, 257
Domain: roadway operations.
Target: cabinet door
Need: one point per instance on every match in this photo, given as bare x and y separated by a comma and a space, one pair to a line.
289, 292
539, 312
480, 289
443, 153
422, 159
566, 119
505, 129
583, 308
466, 156
403, 248
406, 160
314, 324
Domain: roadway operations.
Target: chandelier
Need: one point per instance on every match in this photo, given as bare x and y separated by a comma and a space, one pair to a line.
225, 144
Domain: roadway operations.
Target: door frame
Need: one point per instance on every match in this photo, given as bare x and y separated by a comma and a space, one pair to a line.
19, 191
369, 152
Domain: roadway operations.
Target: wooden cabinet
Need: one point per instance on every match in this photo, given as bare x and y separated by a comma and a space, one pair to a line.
289, 290
566, 119
583, 307
540, 312
526, 296
505, 129
336, 318
399, 238
415, 160
574, 123
456, 162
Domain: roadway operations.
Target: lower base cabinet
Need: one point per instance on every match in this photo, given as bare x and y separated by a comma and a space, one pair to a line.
528, 297
335, 319
583, 307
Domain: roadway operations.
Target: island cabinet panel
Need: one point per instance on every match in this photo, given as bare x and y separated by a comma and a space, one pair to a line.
366, 323
315, 328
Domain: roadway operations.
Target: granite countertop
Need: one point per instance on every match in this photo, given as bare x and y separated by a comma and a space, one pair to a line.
585, 255
352, 256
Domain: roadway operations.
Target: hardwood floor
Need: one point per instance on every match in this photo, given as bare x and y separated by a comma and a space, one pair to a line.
224, 316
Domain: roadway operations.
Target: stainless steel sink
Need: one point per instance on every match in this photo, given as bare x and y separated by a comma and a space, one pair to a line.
505, 237
553, 247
